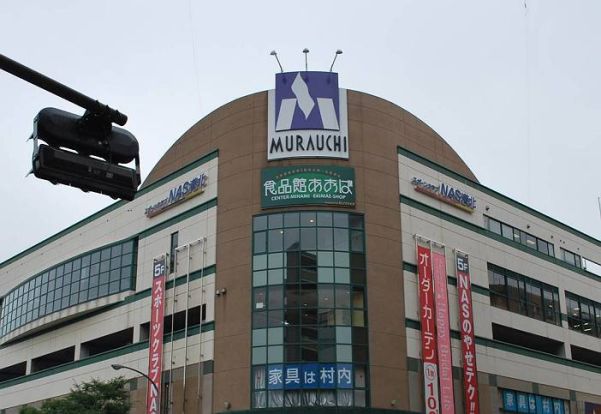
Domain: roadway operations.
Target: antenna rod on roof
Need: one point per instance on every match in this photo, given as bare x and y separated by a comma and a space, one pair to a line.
275, 55
338, 52
306, 52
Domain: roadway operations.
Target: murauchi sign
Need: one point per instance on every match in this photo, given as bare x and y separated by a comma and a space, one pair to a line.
307, 184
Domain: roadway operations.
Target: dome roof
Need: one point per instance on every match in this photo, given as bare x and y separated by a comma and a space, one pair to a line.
246, 119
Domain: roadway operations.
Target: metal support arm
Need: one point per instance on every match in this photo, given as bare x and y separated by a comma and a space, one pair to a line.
63, 91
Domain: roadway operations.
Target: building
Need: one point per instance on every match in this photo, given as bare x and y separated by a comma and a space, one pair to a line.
287, 223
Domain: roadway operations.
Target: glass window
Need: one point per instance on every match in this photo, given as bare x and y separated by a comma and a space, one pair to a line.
325, 238
341, 239
275, 221
529, 240
520, 294
308, 239
571, 258
59, 287
549, 306
513, 295
326, 296
291, 239
341, 219
507, 231
494, 225
357, 241
276, 297
324, 219
598, 318
260, 242
275, 240
308, 219
585, 317
543, 246
313, 310
260, 223
291, 220
573, 308
534, 300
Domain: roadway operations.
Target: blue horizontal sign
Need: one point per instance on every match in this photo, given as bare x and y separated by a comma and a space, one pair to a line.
308, 376
446, 194
179, 194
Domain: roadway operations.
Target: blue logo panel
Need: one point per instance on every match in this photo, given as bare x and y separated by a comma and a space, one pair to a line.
307, 100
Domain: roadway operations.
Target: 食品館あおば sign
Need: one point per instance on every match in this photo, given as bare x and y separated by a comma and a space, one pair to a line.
307, 184
307, 117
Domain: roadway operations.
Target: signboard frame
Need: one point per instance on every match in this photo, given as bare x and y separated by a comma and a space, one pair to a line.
307, 185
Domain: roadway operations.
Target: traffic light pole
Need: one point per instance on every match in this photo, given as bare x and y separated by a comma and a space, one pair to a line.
63, 91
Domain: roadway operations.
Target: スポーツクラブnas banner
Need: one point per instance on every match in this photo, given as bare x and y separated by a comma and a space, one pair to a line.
307, 117
155, 346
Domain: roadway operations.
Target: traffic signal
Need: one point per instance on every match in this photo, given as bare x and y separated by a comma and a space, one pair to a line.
85, 152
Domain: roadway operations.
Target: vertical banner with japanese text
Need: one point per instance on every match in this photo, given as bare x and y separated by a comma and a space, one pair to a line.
155, 345
426, 311
468, 338
443, 333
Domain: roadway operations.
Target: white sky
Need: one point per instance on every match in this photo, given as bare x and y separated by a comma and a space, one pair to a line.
514, 90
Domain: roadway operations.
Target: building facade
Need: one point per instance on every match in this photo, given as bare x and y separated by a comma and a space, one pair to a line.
288, 221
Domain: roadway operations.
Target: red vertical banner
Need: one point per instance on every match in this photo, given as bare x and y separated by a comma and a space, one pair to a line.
426, 311
468, 338
155, 345
443, 333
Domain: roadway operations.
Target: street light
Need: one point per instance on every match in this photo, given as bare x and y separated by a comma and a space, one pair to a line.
117, 367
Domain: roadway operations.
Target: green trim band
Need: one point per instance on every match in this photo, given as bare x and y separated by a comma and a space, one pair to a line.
487, 233
206, 158
124, 350
516, 349
456, 176
207, 271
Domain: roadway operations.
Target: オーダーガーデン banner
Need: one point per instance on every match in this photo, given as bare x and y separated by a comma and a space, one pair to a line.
307, 184
425, 289
155, 346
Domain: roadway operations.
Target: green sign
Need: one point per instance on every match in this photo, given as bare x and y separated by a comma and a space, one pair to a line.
307, 184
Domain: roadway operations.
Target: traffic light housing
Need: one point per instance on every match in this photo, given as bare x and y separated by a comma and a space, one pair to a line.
85, 152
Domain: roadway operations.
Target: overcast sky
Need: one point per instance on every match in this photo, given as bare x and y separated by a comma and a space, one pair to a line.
512, 86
